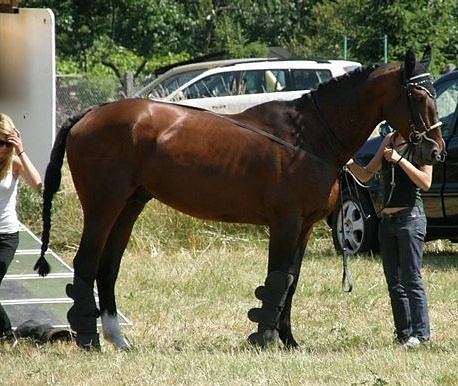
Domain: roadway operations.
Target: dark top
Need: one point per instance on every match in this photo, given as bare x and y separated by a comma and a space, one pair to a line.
405, 192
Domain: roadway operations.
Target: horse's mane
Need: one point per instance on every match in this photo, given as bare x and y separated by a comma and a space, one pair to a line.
352, 76
356, 73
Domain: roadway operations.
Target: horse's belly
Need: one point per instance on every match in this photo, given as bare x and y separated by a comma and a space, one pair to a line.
212, 200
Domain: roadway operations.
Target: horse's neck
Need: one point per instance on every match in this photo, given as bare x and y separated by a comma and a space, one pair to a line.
353, 112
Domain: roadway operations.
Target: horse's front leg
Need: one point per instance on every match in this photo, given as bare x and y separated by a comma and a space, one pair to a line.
286, 248
285, 332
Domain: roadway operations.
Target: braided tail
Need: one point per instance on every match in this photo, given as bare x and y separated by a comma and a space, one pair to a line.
51, 185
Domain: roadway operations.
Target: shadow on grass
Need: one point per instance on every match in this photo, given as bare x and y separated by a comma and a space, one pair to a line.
441, 261
444, 261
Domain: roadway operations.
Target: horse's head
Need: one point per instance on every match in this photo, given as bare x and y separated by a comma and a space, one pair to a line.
415, 116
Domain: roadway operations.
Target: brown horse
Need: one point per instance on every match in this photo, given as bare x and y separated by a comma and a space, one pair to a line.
276, 164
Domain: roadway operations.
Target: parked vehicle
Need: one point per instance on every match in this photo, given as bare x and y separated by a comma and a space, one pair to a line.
172, 79
233, 88
361, 206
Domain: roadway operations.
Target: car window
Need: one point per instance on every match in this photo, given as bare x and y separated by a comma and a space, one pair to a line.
256, 81
172, 83
309, 79
216, 85
253, 82
262, 81
237, 83
275, 80
447, 100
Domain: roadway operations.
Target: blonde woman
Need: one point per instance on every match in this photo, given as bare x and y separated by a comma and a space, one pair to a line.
14, 163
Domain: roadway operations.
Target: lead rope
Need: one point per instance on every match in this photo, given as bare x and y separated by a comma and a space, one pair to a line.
347, 281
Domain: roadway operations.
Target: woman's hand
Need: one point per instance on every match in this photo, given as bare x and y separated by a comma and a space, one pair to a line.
391, 155
16, 140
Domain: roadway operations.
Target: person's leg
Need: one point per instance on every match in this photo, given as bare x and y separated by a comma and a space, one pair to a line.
412, 242
8, 246
391, 268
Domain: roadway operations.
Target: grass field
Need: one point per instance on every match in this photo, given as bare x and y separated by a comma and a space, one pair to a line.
187, 286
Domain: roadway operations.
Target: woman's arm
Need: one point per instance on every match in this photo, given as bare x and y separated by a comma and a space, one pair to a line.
22, 166
365, 173
421, 176
27, 171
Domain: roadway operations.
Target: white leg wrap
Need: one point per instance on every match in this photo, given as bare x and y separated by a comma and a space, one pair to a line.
112, 331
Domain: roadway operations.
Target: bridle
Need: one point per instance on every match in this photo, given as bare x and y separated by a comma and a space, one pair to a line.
419, 132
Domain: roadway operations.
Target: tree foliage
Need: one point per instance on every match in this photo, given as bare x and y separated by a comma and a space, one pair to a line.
139, 35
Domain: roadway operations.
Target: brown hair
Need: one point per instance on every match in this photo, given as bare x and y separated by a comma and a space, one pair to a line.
6, 128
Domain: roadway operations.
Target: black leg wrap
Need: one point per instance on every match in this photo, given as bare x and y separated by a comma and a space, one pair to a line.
83, 315
273, 295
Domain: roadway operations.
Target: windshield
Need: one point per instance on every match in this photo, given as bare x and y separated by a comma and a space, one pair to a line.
447, 100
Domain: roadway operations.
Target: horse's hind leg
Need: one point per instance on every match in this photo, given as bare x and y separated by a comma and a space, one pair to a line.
82, 316
109, 266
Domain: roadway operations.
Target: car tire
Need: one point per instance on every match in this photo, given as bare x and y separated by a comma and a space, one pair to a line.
360, 224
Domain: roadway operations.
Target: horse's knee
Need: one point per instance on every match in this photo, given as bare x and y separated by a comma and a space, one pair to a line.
83, 314
273, 295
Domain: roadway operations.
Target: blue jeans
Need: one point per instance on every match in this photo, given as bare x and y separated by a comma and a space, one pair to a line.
401, 237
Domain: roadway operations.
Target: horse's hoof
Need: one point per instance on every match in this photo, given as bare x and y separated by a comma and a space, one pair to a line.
288, 340
120, 343
88, 342
264, 338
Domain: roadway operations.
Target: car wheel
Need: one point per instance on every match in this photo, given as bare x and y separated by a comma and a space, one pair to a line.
358, 230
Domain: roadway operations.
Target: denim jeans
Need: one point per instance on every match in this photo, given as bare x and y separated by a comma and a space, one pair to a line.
401, 237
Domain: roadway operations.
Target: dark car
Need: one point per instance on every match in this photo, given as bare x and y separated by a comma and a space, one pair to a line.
362, 204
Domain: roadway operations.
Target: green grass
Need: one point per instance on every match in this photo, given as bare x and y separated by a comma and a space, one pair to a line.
187, 286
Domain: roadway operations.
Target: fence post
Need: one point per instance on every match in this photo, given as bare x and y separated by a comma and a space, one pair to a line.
129, 83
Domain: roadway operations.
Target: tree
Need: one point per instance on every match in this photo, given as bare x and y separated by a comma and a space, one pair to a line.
365, 22
148, 33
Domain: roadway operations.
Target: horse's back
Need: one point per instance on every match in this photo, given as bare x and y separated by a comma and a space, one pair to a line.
198, 162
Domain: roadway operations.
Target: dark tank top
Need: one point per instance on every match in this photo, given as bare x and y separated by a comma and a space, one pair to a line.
405, 192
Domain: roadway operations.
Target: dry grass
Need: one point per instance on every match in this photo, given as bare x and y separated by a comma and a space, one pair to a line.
187, 286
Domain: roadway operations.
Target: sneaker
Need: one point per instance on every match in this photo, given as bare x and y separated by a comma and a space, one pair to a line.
411, 343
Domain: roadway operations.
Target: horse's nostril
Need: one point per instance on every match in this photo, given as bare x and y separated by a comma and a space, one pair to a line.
437, 157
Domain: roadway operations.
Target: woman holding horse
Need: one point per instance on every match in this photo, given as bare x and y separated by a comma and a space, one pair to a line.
402, 232
14, 163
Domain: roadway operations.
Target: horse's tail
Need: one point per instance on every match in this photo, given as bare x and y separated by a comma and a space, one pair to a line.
51, 185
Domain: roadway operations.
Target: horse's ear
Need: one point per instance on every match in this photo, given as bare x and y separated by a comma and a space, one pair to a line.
409, 63
426, 56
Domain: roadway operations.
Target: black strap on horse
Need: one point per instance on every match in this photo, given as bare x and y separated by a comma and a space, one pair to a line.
273, 138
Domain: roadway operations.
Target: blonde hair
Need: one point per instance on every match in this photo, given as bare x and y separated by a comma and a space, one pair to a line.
6, 128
